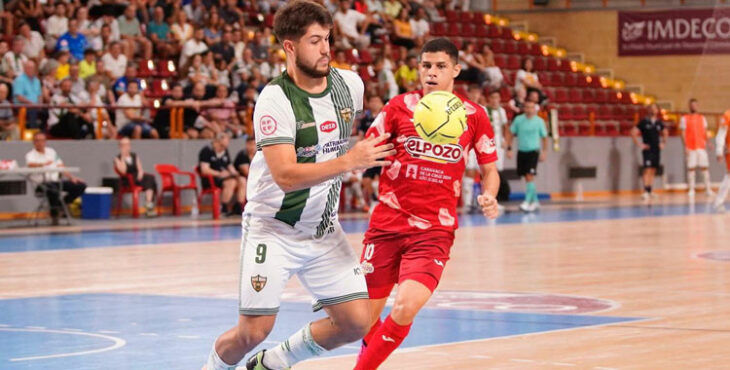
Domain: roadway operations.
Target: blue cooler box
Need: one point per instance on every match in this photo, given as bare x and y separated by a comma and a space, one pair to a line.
96, 203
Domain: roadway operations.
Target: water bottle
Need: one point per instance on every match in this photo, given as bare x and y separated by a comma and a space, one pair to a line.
194, 212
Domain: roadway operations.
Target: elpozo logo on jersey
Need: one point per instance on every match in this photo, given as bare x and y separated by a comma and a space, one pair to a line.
447, 153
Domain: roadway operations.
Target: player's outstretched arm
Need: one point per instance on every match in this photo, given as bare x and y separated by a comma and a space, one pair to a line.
290, 175
490, 183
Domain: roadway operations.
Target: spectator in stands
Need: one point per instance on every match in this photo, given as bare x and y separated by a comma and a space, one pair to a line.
63, 68
224, 49
199, 72
494, 76
43, 157
88, 28
347, 21
259, 51
104, 40
95, 96
14, 59
517, 103
130, 119
158, 32
215, 161
30, 11
432, 11
33, 44
8, 125
392, 9
407, 75
243, 158
131, 33
104, 78
78, 85
176, 99
195, 11
4, 78
527, 78
238, 39
56, 25
212, 31
181, 30
114, 61
244, 67
127, 162
420, 27
65, 121
87, 66
205, 128
340, 60
221, 73
231, 13
387, 88
27, 90
402, 30
122, 83
223, 115
196, 45
471, 70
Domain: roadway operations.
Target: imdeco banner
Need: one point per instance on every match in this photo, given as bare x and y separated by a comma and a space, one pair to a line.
674, 32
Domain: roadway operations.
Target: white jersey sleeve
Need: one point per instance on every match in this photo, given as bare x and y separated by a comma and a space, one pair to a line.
273, 118
357, 88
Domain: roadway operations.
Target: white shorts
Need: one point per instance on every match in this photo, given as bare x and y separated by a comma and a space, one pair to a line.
472, 164
697, 158
272, 251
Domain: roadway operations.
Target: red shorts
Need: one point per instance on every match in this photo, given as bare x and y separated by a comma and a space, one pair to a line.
390, 258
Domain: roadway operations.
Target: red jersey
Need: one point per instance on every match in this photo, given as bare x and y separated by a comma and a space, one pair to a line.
420, 189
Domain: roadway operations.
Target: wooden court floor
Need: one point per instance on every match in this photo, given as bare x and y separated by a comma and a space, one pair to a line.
652, 268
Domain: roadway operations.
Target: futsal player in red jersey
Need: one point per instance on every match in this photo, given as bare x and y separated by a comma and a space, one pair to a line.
412, 228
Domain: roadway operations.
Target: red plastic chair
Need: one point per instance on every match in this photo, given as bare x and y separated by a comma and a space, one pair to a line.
213, 190
129, 188
167, 173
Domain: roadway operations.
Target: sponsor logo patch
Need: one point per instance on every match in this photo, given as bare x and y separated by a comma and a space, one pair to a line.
447, 153
328, 126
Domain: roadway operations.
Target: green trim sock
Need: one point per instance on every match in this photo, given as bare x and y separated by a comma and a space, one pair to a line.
531, 192
297, 348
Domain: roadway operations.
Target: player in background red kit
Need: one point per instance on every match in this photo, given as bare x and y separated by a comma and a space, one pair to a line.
412, 228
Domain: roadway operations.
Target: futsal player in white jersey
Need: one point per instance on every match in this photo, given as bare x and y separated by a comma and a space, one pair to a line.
303, 120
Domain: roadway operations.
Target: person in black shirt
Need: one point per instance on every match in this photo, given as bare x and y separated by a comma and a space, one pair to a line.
244, 157
190, 113
653, 138
215, 161
129, 163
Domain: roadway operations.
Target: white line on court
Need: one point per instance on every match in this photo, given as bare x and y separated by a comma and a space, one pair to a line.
563, 364
118, 343
188, 336
71, 329
35, 327
522, 360
108, 332
149, 334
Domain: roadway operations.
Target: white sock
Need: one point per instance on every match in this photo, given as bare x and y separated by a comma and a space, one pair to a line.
706, 176
691, 179
467, 190
722, 193
215, 362
298, 347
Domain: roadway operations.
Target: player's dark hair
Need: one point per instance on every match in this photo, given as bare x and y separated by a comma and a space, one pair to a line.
693, 100
292, 20
495, 91
441, 44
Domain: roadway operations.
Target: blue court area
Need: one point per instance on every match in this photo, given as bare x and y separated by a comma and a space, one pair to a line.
117, 331
151, 236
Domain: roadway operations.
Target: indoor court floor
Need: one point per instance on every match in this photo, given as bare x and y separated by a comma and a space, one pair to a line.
608, 283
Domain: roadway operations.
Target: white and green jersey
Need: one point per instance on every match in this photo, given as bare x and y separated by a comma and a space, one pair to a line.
319, 126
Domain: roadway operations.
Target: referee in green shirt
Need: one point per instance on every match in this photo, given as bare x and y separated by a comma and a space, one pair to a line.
532, 147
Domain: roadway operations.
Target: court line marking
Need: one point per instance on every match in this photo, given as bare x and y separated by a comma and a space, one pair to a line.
118, 343
428, 346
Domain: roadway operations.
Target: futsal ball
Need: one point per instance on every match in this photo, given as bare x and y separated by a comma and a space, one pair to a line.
440, 118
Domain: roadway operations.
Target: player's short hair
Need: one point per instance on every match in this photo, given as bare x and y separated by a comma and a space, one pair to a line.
292, 20
495, 91
474, 87
692, 100
441, 44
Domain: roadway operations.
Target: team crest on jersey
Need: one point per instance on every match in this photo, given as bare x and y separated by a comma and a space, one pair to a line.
258, 282
422, 149
267, 125
346, 114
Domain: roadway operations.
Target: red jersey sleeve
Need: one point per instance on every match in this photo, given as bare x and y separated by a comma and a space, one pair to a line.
483, 140
383, 122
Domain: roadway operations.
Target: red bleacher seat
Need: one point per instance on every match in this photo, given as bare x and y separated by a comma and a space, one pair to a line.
612, 128
604, 112
556, 79
570, 78
453, 29
506, 33
500, 61
565, 113
613, 97
452, 16
457, 42
493, 31
601, 96
596, 82
523, 48
497, 47
509, 76
505, 94
582, 81
145, 70
567, 129
465, 17
481, 30
561, 96
626, 98
510, 46
514, 62
467, 30
366, 57
618, 112
438, 29
166, 69
625, 127
575, 96
352, 56
477, 18
553, 64
539, 63
544, 78
588, 96
579, 113
535, 49
584, 128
